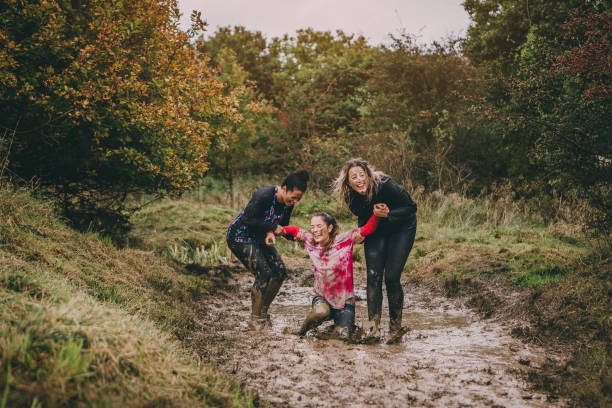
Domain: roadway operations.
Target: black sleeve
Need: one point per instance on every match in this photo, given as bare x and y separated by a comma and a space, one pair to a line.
353, 206
359, 206
253, 213
403, 205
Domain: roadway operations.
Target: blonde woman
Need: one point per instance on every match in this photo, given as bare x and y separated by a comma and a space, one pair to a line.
368, 191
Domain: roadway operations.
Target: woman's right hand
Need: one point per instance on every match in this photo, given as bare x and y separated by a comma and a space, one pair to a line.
357, 237
270, 239
279, 230
381, 210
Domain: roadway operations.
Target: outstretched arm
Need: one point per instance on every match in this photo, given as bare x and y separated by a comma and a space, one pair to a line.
295, 232
369, 227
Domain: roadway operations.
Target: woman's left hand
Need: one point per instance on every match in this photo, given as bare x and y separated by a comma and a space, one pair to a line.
381, 210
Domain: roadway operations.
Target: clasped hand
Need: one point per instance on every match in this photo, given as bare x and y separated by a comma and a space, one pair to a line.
381, 210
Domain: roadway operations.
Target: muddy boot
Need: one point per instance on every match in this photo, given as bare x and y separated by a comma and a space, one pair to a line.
257, 320
270, 293
396, 331
372, 329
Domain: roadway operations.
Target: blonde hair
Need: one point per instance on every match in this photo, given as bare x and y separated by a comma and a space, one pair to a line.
341, 187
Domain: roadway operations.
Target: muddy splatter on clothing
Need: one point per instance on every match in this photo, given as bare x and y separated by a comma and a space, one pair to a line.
386, 251
333, 269
344, 317
246, 236
263, 261
263, 213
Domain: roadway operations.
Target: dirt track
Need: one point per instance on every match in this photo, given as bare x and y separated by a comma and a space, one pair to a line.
450, 358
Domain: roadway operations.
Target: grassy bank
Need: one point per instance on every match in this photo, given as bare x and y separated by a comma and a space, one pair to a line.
503, 257
86, 324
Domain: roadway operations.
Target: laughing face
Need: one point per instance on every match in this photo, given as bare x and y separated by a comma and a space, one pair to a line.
320, 230
290, 197
358, 179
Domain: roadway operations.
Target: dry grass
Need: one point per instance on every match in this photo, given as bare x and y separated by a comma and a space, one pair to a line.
86, 324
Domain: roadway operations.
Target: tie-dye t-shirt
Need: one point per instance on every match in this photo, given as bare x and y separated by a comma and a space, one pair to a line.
333, 269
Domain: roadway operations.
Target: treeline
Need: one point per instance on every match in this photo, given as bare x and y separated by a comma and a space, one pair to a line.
102, 99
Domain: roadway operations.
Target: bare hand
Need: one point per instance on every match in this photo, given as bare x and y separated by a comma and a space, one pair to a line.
279, 230
381, 210
270, 239
357, 237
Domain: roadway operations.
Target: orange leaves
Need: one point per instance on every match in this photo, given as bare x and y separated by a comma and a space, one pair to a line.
121, 92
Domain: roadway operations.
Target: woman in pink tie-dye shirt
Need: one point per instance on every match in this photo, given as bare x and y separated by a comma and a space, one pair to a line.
331, 254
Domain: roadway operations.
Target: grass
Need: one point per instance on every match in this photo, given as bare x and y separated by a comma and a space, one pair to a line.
503, 256
83, 323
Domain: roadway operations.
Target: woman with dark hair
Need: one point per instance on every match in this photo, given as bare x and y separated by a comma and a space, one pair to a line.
331, 254
368, 191
251, 237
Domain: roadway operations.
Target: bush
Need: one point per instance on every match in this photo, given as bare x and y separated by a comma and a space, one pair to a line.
106, 98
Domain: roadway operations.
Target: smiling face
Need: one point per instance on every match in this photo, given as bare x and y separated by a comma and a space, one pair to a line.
289, 197
320, 230
358, 179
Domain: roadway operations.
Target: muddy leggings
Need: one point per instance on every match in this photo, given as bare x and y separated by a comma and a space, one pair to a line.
262, 260
344, 317
386, 256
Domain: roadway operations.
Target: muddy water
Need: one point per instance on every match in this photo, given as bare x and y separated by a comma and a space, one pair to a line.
450, 357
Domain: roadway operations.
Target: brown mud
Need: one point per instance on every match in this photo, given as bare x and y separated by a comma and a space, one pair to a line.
451, 357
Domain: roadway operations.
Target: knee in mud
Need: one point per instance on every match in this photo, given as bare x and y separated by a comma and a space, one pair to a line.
320, 310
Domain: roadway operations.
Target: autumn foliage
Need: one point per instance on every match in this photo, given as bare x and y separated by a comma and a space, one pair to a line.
106, 98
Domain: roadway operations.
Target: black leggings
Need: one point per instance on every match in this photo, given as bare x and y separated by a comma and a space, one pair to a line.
262, 260
386, 255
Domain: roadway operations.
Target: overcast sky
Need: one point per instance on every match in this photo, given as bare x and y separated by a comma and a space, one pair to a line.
429, 20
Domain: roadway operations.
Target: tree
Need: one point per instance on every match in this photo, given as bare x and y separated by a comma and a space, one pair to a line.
319, 95
237, 143
496, 43
572, 108
258, 57
106, 98
419, 104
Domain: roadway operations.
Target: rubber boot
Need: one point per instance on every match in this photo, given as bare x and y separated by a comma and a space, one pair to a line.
257, 319
396, 331
372, 330
270, 293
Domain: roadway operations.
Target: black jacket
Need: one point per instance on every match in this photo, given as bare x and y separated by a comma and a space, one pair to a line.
255, 220
402, 209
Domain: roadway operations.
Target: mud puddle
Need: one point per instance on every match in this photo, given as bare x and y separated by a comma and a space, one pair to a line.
449, 358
